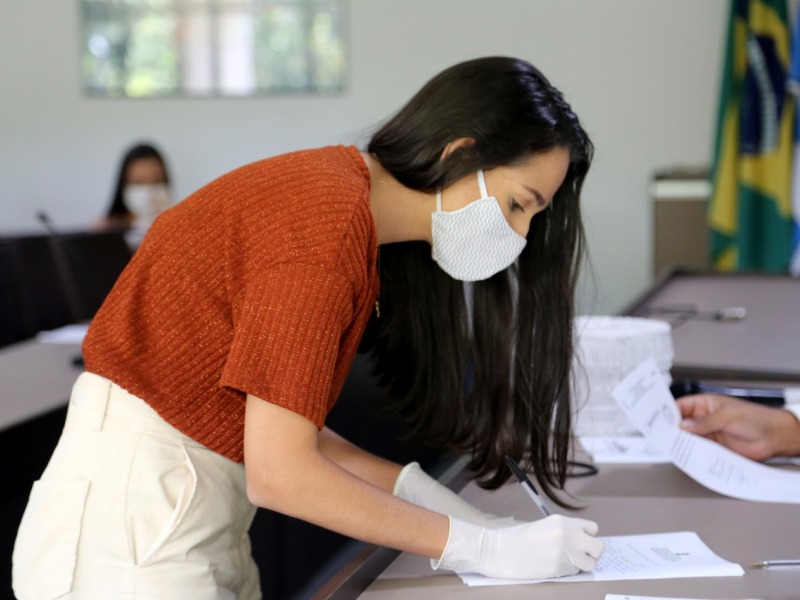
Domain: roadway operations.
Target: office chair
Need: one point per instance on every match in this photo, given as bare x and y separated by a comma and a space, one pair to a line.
11, 328
33, 298
89, 264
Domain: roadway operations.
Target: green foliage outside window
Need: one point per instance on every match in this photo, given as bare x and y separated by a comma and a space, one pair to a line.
146, 48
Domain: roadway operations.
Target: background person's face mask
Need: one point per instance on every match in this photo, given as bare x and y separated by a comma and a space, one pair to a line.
476, 241
146, 201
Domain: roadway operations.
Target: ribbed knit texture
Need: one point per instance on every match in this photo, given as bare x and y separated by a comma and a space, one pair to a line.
259, 283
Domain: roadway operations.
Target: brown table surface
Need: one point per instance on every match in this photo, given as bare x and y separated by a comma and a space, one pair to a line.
627, 500
764, 345
34, 379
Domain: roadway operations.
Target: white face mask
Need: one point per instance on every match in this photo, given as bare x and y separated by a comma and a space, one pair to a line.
474, 242
146, 201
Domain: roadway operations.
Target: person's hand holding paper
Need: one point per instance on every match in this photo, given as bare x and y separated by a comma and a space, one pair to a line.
755, 431
647, 402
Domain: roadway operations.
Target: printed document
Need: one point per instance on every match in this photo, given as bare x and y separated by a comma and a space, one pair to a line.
653, 556
630, 597
68, 334
649, 405
620, 449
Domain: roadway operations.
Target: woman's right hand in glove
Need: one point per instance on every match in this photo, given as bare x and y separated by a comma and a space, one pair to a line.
551, 547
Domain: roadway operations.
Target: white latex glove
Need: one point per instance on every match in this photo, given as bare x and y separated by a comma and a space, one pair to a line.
415, 486
552, 547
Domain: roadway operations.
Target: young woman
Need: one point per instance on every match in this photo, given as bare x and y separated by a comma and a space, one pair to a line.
215, 359
141, 190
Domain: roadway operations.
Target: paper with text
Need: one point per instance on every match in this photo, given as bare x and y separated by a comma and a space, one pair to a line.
652, 556
68, 334
620, 449
649, 405
630, 597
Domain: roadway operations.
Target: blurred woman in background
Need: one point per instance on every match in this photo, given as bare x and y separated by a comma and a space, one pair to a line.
141, 191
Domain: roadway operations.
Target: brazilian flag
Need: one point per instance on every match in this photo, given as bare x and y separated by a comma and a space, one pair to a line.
750, 212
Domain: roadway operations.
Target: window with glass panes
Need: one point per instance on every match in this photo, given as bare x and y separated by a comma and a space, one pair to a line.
146, 48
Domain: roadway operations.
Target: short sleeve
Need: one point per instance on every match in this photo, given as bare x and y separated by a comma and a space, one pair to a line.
288, 327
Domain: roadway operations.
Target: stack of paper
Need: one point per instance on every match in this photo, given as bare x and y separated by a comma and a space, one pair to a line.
69, 334
620, 449
655, 556
629, 597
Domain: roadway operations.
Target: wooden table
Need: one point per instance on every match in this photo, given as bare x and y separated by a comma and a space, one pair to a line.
627, 500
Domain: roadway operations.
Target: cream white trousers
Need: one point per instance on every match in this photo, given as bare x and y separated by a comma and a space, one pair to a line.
129, 507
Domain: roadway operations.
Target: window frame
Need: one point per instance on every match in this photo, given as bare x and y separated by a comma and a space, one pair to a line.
203, 74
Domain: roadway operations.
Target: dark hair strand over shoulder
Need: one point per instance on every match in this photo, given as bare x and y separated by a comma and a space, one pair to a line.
485, 367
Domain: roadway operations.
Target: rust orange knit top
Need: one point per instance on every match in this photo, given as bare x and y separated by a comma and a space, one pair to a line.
259, 283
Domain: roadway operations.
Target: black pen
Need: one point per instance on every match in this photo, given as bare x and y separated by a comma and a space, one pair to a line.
528, 485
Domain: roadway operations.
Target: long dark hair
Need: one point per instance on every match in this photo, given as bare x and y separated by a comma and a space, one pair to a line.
485, 367
136, 152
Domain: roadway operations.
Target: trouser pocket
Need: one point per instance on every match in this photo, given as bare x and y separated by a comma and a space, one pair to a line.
160, 490
46, 548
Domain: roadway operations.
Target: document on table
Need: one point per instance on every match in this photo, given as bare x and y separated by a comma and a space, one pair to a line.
649, 405
652, 556
620, 449
630, 597
69, 334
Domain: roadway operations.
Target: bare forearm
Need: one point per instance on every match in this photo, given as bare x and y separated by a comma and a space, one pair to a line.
334, 498
287, 472
364, 465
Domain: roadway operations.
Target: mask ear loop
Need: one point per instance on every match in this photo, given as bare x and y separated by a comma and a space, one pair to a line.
439, 201
482, 184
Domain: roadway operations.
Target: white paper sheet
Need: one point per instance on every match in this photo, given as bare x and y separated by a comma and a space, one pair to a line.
652, 556
629, 597
69, 334
620, 449
648, 403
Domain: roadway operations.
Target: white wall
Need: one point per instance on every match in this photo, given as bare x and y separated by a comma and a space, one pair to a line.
641, 74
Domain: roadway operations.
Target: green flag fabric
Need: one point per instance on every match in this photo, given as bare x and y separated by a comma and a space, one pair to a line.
750, 210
